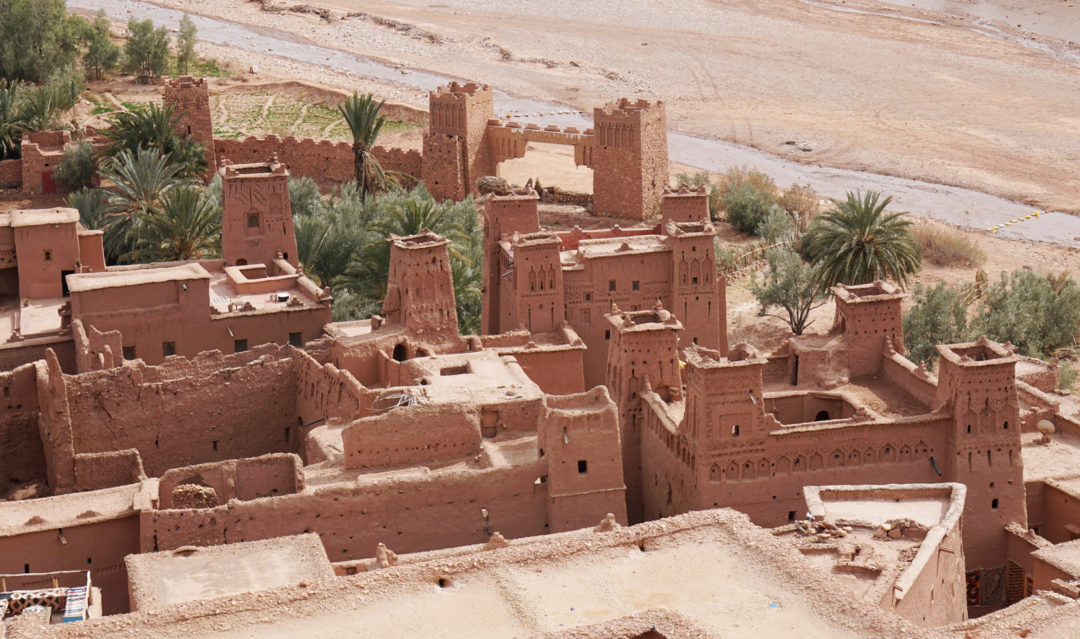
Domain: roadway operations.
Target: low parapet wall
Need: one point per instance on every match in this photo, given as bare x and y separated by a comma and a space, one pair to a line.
328, 163
11, 173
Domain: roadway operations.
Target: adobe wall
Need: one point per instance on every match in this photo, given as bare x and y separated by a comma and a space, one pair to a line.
915, 381
557, 370
323, 392
409, 513
173, 421
94, 471
443, 166
95, 350
1061, 508
99, 546
588, 298
45, 251
412, 435
11, 173
578, 436
22, 457
243, 479
42, 151
764, 477
328, 163
147, 315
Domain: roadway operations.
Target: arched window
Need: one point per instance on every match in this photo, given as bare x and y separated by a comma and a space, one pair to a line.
253, 221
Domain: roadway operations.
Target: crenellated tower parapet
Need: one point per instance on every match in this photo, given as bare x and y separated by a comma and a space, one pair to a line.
455, 147
630, 158
420, 287
190, 99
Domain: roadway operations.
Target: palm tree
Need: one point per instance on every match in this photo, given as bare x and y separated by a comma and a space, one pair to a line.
93, 206
857, 242
154, 127
12, 120
361, 114
139, 180
186, 227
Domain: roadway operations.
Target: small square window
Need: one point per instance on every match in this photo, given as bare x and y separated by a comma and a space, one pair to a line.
693, 280
48, 256
129, 352
611, 285
296, 339
168, 348
607, 334
582, 466
588, 297
636, 285
239, 345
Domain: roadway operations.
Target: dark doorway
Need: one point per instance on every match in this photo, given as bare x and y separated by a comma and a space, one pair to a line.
48, 185
795, 371
63, 282
822, 416
399, 353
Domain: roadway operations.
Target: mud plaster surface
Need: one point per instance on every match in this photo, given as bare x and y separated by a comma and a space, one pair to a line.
707, 582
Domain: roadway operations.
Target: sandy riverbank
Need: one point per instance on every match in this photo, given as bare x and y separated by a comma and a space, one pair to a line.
869, 86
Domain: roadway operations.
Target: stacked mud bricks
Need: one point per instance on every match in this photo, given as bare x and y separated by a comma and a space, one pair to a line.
190, 99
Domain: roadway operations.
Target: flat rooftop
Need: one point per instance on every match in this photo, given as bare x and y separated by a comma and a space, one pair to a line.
149, 274
480, 377
74, 509
1064, 556
166, 578
611, 246
41, 217
729, 577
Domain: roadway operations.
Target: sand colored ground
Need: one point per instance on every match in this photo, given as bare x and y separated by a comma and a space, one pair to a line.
859, 84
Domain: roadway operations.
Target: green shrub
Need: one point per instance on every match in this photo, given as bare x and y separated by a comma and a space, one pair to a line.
775, 227
747, 205
1037, 313
77, 168
737, 176
304, 197
939, 316
788, 285
1067, 375
801, 202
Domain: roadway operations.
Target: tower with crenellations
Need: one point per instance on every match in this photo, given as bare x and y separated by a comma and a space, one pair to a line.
455, 146
190, 99
630, 158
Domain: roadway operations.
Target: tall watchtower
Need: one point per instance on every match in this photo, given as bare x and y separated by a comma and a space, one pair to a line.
644, 346
190, 99
534, 298
503, 215
698, 292
256, 220
630, 158
867, 315
455, 146
977, 387
420, 287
